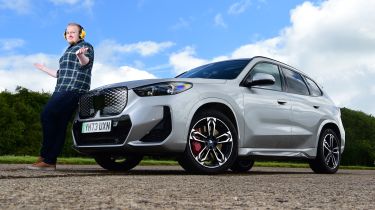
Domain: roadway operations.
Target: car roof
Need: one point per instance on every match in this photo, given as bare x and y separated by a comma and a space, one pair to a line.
263, 58
284, 65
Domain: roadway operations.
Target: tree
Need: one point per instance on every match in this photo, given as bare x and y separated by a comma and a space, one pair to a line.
21, 130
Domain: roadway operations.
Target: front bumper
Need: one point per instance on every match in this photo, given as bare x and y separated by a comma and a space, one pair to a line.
147, 125
120, 128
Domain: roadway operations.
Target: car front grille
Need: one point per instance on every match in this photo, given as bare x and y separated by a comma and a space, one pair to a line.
108, 102
119, 131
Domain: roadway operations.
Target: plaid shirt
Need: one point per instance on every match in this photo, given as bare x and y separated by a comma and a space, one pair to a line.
71, 76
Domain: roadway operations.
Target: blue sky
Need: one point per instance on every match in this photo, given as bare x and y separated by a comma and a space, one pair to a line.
333, 40
212, 27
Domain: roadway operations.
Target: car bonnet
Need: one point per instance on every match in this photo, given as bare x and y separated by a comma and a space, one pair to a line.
139, 83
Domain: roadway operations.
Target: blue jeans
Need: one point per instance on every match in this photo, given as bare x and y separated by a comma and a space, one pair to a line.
55, 118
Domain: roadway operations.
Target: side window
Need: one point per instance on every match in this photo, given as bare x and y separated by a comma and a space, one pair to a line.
268, 68
295, 83
314, 89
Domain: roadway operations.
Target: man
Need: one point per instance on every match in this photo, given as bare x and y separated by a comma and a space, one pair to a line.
73, 79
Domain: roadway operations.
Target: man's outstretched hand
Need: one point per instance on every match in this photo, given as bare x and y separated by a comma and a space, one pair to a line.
82, 50
40, 66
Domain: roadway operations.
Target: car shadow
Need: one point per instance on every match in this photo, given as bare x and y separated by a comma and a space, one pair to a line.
77, 171
173, 172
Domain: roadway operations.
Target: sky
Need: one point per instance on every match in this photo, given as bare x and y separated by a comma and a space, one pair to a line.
333, 41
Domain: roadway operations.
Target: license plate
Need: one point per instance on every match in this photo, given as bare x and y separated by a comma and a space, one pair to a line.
97, 126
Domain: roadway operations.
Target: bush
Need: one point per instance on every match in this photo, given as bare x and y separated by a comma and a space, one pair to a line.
21, 131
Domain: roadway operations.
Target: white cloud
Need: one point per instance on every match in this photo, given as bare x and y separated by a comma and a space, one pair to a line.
185, 60
239, 7
219, 21
108, 49
10, 44
88, 4
71, 2
181, 24
267, 48
145, 48
19, 6
332, 42
19, 71
103, 74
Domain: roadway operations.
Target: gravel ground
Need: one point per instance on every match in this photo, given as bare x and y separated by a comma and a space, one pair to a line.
169, 187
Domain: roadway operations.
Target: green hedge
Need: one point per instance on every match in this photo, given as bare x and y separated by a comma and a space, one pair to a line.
20, 129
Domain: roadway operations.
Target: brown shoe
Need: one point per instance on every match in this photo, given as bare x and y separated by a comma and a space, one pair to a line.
40, 159
42, 166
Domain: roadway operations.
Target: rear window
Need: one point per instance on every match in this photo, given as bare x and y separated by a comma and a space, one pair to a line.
295, 83
219, 70
314, 89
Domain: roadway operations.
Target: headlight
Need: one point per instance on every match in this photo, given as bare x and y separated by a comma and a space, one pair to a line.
162, 89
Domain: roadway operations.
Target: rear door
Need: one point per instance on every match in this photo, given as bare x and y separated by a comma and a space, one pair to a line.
306, 109
267, 111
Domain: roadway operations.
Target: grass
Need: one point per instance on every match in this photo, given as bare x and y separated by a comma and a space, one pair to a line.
10, 159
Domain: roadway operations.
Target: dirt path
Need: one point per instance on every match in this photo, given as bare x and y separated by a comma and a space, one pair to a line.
161, 187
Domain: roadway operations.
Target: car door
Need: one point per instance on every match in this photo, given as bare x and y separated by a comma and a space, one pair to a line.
267, 111
306, 109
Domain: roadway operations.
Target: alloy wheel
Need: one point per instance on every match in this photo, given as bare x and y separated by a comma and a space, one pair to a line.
210, 142
331, 151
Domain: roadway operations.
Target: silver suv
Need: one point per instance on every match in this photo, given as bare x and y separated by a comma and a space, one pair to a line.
215, 117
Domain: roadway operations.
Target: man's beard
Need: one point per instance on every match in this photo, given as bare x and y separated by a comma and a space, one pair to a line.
73, 42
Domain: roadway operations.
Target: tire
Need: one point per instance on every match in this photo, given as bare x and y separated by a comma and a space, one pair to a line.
118, 163
242, 165
211, 143
328, 156
184, 164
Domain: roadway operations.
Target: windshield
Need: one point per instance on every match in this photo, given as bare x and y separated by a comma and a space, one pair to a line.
219, 70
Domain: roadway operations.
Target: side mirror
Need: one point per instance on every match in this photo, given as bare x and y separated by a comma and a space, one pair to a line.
260, 79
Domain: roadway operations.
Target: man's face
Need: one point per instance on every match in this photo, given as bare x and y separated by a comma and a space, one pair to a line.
72, 34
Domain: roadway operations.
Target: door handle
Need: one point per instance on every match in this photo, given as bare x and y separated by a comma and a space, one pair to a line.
316, 106
281, 102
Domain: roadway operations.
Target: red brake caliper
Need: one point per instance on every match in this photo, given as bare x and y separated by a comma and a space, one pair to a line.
196, 147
